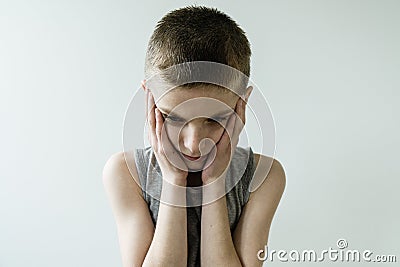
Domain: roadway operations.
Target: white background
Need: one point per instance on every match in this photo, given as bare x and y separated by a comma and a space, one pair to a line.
68, 69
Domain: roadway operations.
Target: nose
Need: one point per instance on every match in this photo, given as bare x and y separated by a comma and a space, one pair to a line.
192, 133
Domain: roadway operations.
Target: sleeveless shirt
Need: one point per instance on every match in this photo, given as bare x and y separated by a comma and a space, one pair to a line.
242, 163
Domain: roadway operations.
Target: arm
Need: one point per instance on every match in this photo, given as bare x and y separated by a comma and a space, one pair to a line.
217, 247
134, 225
251, 233
169, 245
140, 243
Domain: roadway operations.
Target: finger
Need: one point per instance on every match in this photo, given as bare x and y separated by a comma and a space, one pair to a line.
146, 95
211, 156
159, 125
244, 104
241, 109
226, 136
149, 110
225, 145
240, 119
152, 123
171, 154
146, 108
143, 85
150, 102
234, 138
249, 90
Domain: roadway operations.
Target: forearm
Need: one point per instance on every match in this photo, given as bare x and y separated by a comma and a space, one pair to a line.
217, 248
169, 244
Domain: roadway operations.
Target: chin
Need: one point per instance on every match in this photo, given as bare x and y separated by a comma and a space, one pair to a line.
194, 166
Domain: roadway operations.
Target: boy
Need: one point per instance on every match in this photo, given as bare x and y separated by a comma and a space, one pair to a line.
193, 132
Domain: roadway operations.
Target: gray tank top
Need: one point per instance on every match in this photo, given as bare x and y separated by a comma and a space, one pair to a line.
242, 164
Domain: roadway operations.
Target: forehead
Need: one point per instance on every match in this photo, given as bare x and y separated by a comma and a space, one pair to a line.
180, 95
198, 101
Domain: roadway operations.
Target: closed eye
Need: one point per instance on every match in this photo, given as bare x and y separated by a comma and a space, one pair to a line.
172, 118
177, 119
217, 119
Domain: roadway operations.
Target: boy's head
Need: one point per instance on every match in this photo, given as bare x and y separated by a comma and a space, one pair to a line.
197, 33
194, 34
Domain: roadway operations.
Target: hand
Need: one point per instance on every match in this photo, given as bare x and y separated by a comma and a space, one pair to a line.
225, 146
164, 151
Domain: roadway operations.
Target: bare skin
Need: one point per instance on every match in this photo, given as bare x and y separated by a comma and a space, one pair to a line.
166, 245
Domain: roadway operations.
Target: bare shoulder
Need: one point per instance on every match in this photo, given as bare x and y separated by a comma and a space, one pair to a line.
267, 168
120, 171
131, 213
266, 189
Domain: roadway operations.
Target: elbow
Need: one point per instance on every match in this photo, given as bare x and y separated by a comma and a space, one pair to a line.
154, 261
161, 263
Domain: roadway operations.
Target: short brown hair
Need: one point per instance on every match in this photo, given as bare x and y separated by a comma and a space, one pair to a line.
197, 33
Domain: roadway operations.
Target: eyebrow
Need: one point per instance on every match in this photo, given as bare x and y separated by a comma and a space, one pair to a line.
169, 113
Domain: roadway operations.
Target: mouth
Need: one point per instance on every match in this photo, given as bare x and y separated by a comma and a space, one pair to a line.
191, 158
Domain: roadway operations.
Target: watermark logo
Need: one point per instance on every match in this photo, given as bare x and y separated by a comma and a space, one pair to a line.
341, 254
342, 243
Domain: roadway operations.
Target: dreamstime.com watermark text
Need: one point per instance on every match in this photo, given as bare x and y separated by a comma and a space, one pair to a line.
332, 254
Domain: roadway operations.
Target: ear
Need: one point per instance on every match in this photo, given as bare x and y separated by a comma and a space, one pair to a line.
248, 93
